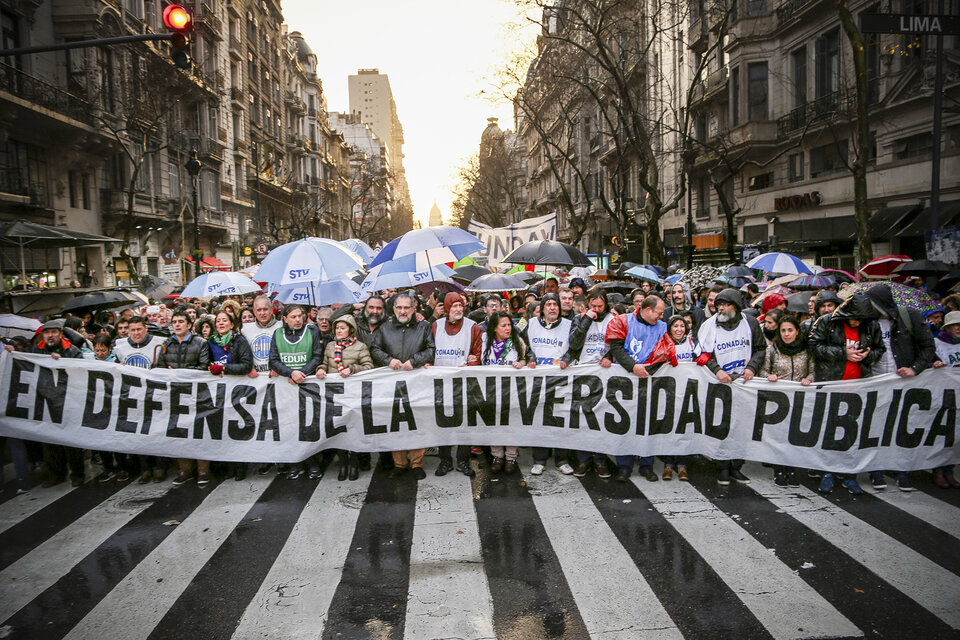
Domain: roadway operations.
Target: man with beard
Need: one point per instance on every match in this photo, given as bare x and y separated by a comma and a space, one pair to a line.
403, 343
709, 305
588, 346
732, 346
681, 301
370, 319
548, 336
457, 341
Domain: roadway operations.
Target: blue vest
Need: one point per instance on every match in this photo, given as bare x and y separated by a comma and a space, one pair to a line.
219, 355
642, 337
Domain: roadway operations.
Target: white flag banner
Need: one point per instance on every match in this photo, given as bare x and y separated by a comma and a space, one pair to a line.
845, 426
502, 240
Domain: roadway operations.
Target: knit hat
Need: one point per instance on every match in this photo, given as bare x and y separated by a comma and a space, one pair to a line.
730, 296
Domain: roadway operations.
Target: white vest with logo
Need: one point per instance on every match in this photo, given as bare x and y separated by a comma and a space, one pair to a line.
687, 351
260, 339
948, 353
549, 345
144, 356
595, 345
452, 351
732, 349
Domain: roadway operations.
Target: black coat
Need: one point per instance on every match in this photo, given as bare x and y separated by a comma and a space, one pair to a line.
63, 348
412, 341
827, 343
912, 346
241, 356
193, 353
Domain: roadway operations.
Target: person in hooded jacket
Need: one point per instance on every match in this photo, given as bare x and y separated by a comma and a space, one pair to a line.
908, 350
687, 351
826, 301
732, 345
681, 300
845, 345
548, 340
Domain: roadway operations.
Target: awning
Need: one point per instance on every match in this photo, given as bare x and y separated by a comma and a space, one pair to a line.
949, 213
883, 224
210, 263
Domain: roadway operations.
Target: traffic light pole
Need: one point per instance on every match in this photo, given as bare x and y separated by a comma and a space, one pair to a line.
82, 44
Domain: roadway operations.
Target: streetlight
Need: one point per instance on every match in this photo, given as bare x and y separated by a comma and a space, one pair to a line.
689, 157
193, 167
256, 169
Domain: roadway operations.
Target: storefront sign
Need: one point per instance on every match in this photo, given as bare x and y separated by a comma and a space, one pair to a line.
812, 199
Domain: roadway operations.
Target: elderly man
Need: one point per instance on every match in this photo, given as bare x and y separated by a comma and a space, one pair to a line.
403, 343
732, 345
259, 334
457, 342
632, 337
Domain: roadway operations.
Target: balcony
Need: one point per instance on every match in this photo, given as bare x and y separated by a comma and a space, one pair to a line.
697, 34
794, 9
44, 94
207, 19
236, 94
822, 108
16, 188
714, 85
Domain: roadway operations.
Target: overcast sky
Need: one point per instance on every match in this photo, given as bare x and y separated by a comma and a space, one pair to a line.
436, 53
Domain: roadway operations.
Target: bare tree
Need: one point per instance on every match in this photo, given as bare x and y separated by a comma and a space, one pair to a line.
370, 200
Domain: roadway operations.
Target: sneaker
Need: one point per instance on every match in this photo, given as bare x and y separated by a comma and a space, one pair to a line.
203, 480
510, 467
792, 479
723, 477
877, 480
106, 477
182, 478
667, 473
851, 485
497, 465
682, 474
295, 472
21, 491
159, 475
443, 468
536, 469
565, 469
314, 473
603, 470
264, 469
122, 476
581, 470
432, 451
145, 477
813, 473
826, 483
780, 479
903, 481
419, 473
463, 466
737, 475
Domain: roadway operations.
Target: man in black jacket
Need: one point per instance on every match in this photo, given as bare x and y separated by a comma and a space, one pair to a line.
58, 458
910, 349
403, 343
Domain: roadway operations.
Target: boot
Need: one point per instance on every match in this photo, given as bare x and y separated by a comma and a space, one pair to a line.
342, 475
353, 467
939, 479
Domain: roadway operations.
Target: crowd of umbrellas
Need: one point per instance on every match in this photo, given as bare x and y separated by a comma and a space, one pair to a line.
320, 271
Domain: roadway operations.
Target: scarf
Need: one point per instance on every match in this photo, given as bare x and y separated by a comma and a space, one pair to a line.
338, 351
222, 340
791, 349
500, 349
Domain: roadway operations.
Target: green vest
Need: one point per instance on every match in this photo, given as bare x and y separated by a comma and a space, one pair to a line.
294, 354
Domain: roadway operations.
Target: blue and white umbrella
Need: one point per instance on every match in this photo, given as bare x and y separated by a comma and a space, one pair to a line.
377, 279
322, 293
360, 248
673, 279
442, 244
219, 283
308, 260
643, 273
779, 263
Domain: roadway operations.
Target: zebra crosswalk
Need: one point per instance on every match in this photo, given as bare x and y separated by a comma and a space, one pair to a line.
516, 556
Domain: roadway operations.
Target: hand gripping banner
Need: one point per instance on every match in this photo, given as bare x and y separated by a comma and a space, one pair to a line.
880, 423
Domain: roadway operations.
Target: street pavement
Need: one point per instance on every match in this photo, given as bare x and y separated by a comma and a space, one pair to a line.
496, 557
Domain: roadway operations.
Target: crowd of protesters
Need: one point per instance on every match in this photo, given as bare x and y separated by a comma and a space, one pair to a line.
549, 325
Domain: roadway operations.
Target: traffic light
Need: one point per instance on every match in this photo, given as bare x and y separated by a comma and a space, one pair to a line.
180, 21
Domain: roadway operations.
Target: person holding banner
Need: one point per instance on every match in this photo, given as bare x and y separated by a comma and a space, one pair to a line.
259, 335
588, 345
846, 345
230, 354
295, 353
503, 346
632, 338
404, 343
947, 342
186, 350
457, 343
687, 350
732, 345
549, 337
346, 355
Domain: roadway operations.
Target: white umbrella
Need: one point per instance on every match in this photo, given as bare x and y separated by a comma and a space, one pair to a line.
377, 280
322, 293
443, 244
308, 260
13, 325
219, 283
360, 248
778, 262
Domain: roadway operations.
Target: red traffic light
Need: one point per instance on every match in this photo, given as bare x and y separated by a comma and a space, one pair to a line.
177, 18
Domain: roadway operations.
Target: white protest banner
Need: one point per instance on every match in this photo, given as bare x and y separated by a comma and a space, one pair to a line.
502, 240
881, 423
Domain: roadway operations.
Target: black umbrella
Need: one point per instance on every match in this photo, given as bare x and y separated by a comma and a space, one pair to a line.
469, 272
528, 276
626, 266
798, 302
738, 271
946, 282
922, 268
99, 300
548, 252
155, 287
21, 233
615, 286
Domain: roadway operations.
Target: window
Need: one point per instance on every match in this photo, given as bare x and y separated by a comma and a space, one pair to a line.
762, 181
798, 61
757, 90
735, 97
72, 188
830, 158
827, 64
23, 171
85, 190
700, 123
795, 167
703, 197
105, 65
173, 178
915, 146
134, 8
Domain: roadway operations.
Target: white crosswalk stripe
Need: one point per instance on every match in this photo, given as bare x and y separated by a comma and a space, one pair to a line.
25, 579
23, 506
913, 574
292, 601
938, 513
138, 603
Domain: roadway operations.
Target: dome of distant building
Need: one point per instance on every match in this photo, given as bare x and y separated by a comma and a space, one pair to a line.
436, 216
492, 133
303, 49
